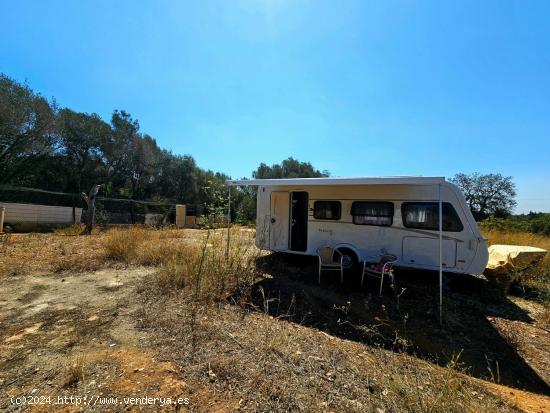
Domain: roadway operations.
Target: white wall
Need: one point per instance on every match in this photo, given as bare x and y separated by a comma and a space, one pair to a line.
39, 214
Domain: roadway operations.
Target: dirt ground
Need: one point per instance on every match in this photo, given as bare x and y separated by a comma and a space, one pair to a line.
103, 337
62, 330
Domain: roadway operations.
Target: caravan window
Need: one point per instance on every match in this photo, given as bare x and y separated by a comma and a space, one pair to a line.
425, 215
327, 210
372, 213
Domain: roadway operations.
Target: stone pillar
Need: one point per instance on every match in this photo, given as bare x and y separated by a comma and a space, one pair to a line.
180, 216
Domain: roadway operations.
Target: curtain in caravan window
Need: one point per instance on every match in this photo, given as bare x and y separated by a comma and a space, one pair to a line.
421, 215
330, 210
372, 213
425, 215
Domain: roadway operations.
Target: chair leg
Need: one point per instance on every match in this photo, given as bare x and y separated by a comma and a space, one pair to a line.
363, 274
341, 271
381, 284
319, 271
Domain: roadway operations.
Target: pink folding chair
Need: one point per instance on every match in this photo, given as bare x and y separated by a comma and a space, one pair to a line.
379, 269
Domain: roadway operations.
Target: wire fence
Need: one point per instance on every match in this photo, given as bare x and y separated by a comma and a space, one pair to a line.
108, 210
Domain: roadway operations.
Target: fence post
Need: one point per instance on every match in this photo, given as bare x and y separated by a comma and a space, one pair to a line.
2, 212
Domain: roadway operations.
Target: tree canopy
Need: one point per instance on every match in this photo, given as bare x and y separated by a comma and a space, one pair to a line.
27, 125
487, 194
45, 147
289, 168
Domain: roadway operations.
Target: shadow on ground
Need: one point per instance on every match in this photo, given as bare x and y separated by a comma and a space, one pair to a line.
406, 323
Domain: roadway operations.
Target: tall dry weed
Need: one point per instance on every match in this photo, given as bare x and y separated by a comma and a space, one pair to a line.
209, 269
121, 244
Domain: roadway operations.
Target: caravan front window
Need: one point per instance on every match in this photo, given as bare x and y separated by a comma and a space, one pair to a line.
372, 213
425, 215
331, 210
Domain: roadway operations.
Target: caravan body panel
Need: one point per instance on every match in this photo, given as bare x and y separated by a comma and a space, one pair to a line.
464, 249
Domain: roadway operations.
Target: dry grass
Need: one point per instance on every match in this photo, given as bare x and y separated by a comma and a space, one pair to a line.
143, 246
76, 263
63, 250
209, 270
273, 365
544, 317
39, 253
121, 244
265, 363
74, 373
202, 265
14, 269
70, 231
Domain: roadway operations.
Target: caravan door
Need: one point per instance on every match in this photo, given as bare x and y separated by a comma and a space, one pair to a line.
279, 222
298, 221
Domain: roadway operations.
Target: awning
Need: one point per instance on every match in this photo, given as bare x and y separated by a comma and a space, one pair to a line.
382, 180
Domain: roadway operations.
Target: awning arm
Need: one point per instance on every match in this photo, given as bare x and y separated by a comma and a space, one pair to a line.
440, 257
228, 221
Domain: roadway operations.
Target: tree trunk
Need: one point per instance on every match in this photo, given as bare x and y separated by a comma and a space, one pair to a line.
90, 215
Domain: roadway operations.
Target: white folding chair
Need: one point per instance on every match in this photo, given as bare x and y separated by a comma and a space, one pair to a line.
330, 259
379, 269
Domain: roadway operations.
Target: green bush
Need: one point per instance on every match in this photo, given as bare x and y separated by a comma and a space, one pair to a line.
536, 223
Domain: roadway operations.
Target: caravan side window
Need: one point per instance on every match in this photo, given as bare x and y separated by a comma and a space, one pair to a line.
372, 213
331, 210
425, 215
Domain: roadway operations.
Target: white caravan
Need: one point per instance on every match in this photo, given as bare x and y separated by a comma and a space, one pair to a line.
362, 217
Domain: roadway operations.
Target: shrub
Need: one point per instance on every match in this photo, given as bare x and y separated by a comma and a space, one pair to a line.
122, 244
76, 263
141, 245
71, 230
541, 225
536, 223
176, 272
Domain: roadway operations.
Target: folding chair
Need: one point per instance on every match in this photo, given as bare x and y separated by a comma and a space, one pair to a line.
379, 269
330, 259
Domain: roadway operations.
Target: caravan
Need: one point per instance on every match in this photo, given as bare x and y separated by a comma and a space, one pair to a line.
364, 217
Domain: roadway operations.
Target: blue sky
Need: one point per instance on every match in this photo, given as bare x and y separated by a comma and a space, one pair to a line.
356, 87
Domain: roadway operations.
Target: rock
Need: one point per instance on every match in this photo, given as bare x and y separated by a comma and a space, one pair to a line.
211, 375
508, 262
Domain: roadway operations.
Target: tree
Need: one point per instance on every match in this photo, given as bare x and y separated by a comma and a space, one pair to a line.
118, 150
244, 203
289, 168
81, 138
26, 130
487, 194
245, 197
142, 163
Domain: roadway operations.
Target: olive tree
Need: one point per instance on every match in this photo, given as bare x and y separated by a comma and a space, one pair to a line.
487, 194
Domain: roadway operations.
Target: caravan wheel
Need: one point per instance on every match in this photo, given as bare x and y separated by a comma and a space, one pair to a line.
349, 259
